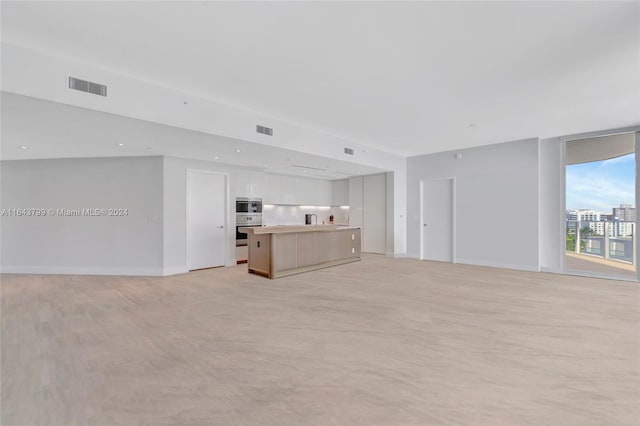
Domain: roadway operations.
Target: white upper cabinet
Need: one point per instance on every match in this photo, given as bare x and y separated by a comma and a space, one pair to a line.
324, 193
279, 189
242, 183
313, 192
256, 185
249, 184
340, 192
273, 193
293, 190
267, 189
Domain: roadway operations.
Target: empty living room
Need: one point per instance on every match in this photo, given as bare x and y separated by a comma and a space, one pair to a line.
360, 213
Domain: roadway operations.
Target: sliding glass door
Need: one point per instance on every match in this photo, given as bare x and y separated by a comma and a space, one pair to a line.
600, 204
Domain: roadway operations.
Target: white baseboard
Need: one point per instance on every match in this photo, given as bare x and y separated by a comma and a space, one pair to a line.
490, 264
402, 255
81, 270
528, 268
174, 270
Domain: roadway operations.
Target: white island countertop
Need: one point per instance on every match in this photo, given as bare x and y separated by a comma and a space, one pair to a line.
283, 229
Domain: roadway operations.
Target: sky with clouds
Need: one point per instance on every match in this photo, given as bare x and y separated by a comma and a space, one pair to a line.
601, 185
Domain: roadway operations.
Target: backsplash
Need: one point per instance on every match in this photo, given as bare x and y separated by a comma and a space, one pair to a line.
294, 215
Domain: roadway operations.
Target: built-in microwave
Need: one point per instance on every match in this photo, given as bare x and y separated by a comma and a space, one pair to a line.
248, 205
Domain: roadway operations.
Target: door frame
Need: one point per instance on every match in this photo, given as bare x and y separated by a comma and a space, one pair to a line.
226, 251
453, 214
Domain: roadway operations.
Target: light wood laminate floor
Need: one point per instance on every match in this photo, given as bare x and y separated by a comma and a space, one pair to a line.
377, 342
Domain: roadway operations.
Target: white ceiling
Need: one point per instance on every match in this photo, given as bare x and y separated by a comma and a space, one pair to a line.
408, 77
53, 130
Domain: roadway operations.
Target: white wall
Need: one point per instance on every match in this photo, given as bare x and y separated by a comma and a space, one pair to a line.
552, 232
496, 202
390, 213
127, 245
400, 203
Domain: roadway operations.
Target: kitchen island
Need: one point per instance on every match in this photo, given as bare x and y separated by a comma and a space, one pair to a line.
277, 251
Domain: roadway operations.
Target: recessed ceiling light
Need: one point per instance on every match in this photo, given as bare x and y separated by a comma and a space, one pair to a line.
215, 157
24, 147
237, 150
120, 144
305, 171
266, 165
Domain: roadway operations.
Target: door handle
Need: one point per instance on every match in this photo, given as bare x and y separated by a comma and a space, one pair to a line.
221, 226
424, 224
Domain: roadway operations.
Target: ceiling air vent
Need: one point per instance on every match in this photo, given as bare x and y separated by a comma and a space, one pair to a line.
348, 151
264, 130
87, 86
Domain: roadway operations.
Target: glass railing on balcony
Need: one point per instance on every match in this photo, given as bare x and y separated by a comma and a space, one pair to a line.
606, 239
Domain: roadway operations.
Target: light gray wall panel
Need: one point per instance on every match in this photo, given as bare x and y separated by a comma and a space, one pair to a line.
496, 202
130, 244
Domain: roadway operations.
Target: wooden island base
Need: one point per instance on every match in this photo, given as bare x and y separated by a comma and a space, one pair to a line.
278, 251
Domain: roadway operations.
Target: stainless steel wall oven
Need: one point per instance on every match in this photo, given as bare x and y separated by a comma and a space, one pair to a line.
245, 220
248, 213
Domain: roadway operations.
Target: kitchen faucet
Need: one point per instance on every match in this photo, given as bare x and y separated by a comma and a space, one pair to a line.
307, 219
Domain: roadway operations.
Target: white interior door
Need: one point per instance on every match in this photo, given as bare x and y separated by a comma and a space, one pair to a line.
206, 207
437, 219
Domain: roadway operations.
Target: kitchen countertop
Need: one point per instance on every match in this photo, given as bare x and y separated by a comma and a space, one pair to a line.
281, 250
281, 229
